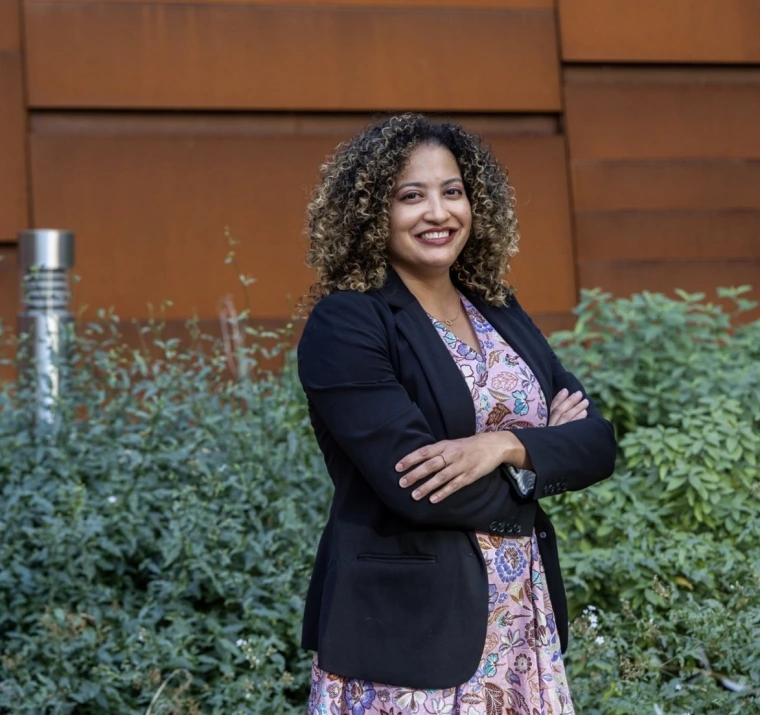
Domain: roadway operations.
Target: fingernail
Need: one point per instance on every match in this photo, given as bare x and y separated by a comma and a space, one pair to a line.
403, 482
577, 394
434, 499
416, 495
400, 467
563, 391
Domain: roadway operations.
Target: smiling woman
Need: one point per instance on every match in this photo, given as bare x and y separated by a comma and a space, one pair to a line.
443, 416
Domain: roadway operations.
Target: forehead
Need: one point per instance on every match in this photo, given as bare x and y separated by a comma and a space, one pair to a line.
428, 163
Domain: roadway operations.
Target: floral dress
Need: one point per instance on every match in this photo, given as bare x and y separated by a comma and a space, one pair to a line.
521, 670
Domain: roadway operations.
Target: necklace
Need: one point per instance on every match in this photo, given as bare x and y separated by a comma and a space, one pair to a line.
448, 323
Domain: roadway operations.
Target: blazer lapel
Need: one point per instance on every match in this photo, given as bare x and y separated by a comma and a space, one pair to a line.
446, 382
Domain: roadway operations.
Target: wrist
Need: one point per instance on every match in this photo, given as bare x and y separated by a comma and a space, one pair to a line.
512, 451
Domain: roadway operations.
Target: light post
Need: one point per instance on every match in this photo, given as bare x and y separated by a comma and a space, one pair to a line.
45, 257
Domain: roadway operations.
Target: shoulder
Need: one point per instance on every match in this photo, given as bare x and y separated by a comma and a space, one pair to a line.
346, 305
344, 313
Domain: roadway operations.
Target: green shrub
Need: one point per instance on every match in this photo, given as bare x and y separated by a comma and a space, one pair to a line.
155, 548
675, 533
162, 534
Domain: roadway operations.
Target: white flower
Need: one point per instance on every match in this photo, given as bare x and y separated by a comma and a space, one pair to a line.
240, 642
678, 686
599, 640
410, 699
112, 500
441, 708
593, 620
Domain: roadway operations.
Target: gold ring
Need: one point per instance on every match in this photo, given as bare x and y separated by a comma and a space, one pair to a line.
445, 463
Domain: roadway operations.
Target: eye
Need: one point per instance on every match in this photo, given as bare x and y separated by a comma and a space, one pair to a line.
454, 191
410, 195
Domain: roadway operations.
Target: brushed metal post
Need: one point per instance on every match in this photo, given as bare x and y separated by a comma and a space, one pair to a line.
45, 257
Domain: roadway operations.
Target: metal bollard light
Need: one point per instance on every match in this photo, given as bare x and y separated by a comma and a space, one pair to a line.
45, 257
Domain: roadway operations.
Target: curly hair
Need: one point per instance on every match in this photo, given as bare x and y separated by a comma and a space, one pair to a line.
349, 214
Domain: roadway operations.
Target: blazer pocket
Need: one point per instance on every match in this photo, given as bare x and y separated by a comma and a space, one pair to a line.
398, 558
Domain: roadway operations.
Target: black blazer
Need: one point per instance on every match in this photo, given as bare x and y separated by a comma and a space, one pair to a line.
399, 592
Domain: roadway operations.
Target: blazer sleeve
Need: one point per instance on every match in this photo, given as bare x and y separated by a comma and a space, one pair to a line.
571, 456
345, 368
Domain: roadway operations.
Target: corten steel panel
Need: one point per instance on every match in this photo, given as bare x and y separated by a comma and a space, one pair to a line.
501, 4
13, 188
84, 55
552, 322
543, 271
660, 30
666, 184
654, 114
671, 235
10, 36
9, 285
149, 198
623, 278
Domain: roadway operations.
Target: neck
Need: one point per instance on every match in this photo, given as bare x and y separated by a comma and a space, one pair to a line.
435, 292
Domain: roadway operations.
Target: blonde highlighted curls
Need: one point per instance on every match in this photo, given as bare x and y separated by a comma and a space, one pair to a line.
349, 215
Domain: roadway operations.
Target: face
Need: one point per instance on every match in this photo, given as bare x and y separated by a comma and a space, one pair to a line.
430, 213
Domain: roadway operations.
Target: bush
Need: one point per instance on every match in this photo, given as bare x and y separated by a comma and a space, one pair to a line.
667, 550
155, 547
161, 538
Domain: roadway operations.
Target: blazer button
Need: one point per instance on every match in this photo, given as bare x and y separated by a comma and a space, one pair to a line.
510, 529
542, 535
517, 529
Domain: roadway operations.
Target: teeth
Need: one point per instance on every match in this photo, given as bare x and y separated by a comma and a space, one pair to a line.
430, 235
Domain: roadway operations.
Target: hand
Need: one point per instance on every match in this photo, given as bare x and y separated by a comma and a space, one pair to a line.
458, 462
567, 408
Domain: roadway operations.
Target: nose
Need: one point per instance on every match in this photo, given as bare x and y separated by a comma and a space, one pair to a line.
436, 211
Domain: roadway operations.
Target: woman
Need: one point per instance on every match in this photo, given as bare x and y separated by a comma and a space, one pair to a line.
443, 416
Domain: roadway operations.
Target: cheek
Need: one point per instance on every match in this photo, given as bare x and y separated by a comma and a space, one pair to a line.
465, 217
468, 213
402, 219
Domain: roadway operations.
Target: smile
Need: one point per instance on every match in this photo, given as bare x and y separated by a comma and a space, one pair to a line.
440, 236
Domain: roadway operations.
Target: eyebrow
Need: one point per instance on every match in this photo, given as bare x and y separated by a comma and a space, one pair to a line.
421, 185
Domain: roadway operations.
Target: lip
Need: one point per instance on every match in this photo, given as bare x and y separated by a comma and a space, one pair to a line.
437, 241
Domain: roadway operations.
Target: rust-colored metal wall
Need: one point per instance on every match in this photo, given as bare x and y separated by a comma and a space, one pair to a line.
148, 126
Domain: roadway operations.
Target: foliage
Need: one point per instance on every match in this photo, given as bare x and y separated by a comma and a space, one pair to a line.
675, 532
161, 536
155, 546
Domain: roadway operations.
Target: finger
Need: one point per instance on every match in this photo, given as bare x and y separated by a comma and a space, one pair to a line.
581, 416
568, 402
420, 455
450, 487
558, 398
435, 482
563, 406
434, 464
572, 414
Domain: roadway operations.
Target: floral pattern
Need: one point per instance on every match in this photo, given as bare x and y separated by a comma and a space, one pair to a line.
521, 670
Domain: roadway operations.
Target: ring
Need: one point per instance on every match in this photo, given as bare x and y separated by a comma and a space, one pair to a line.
445, 463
